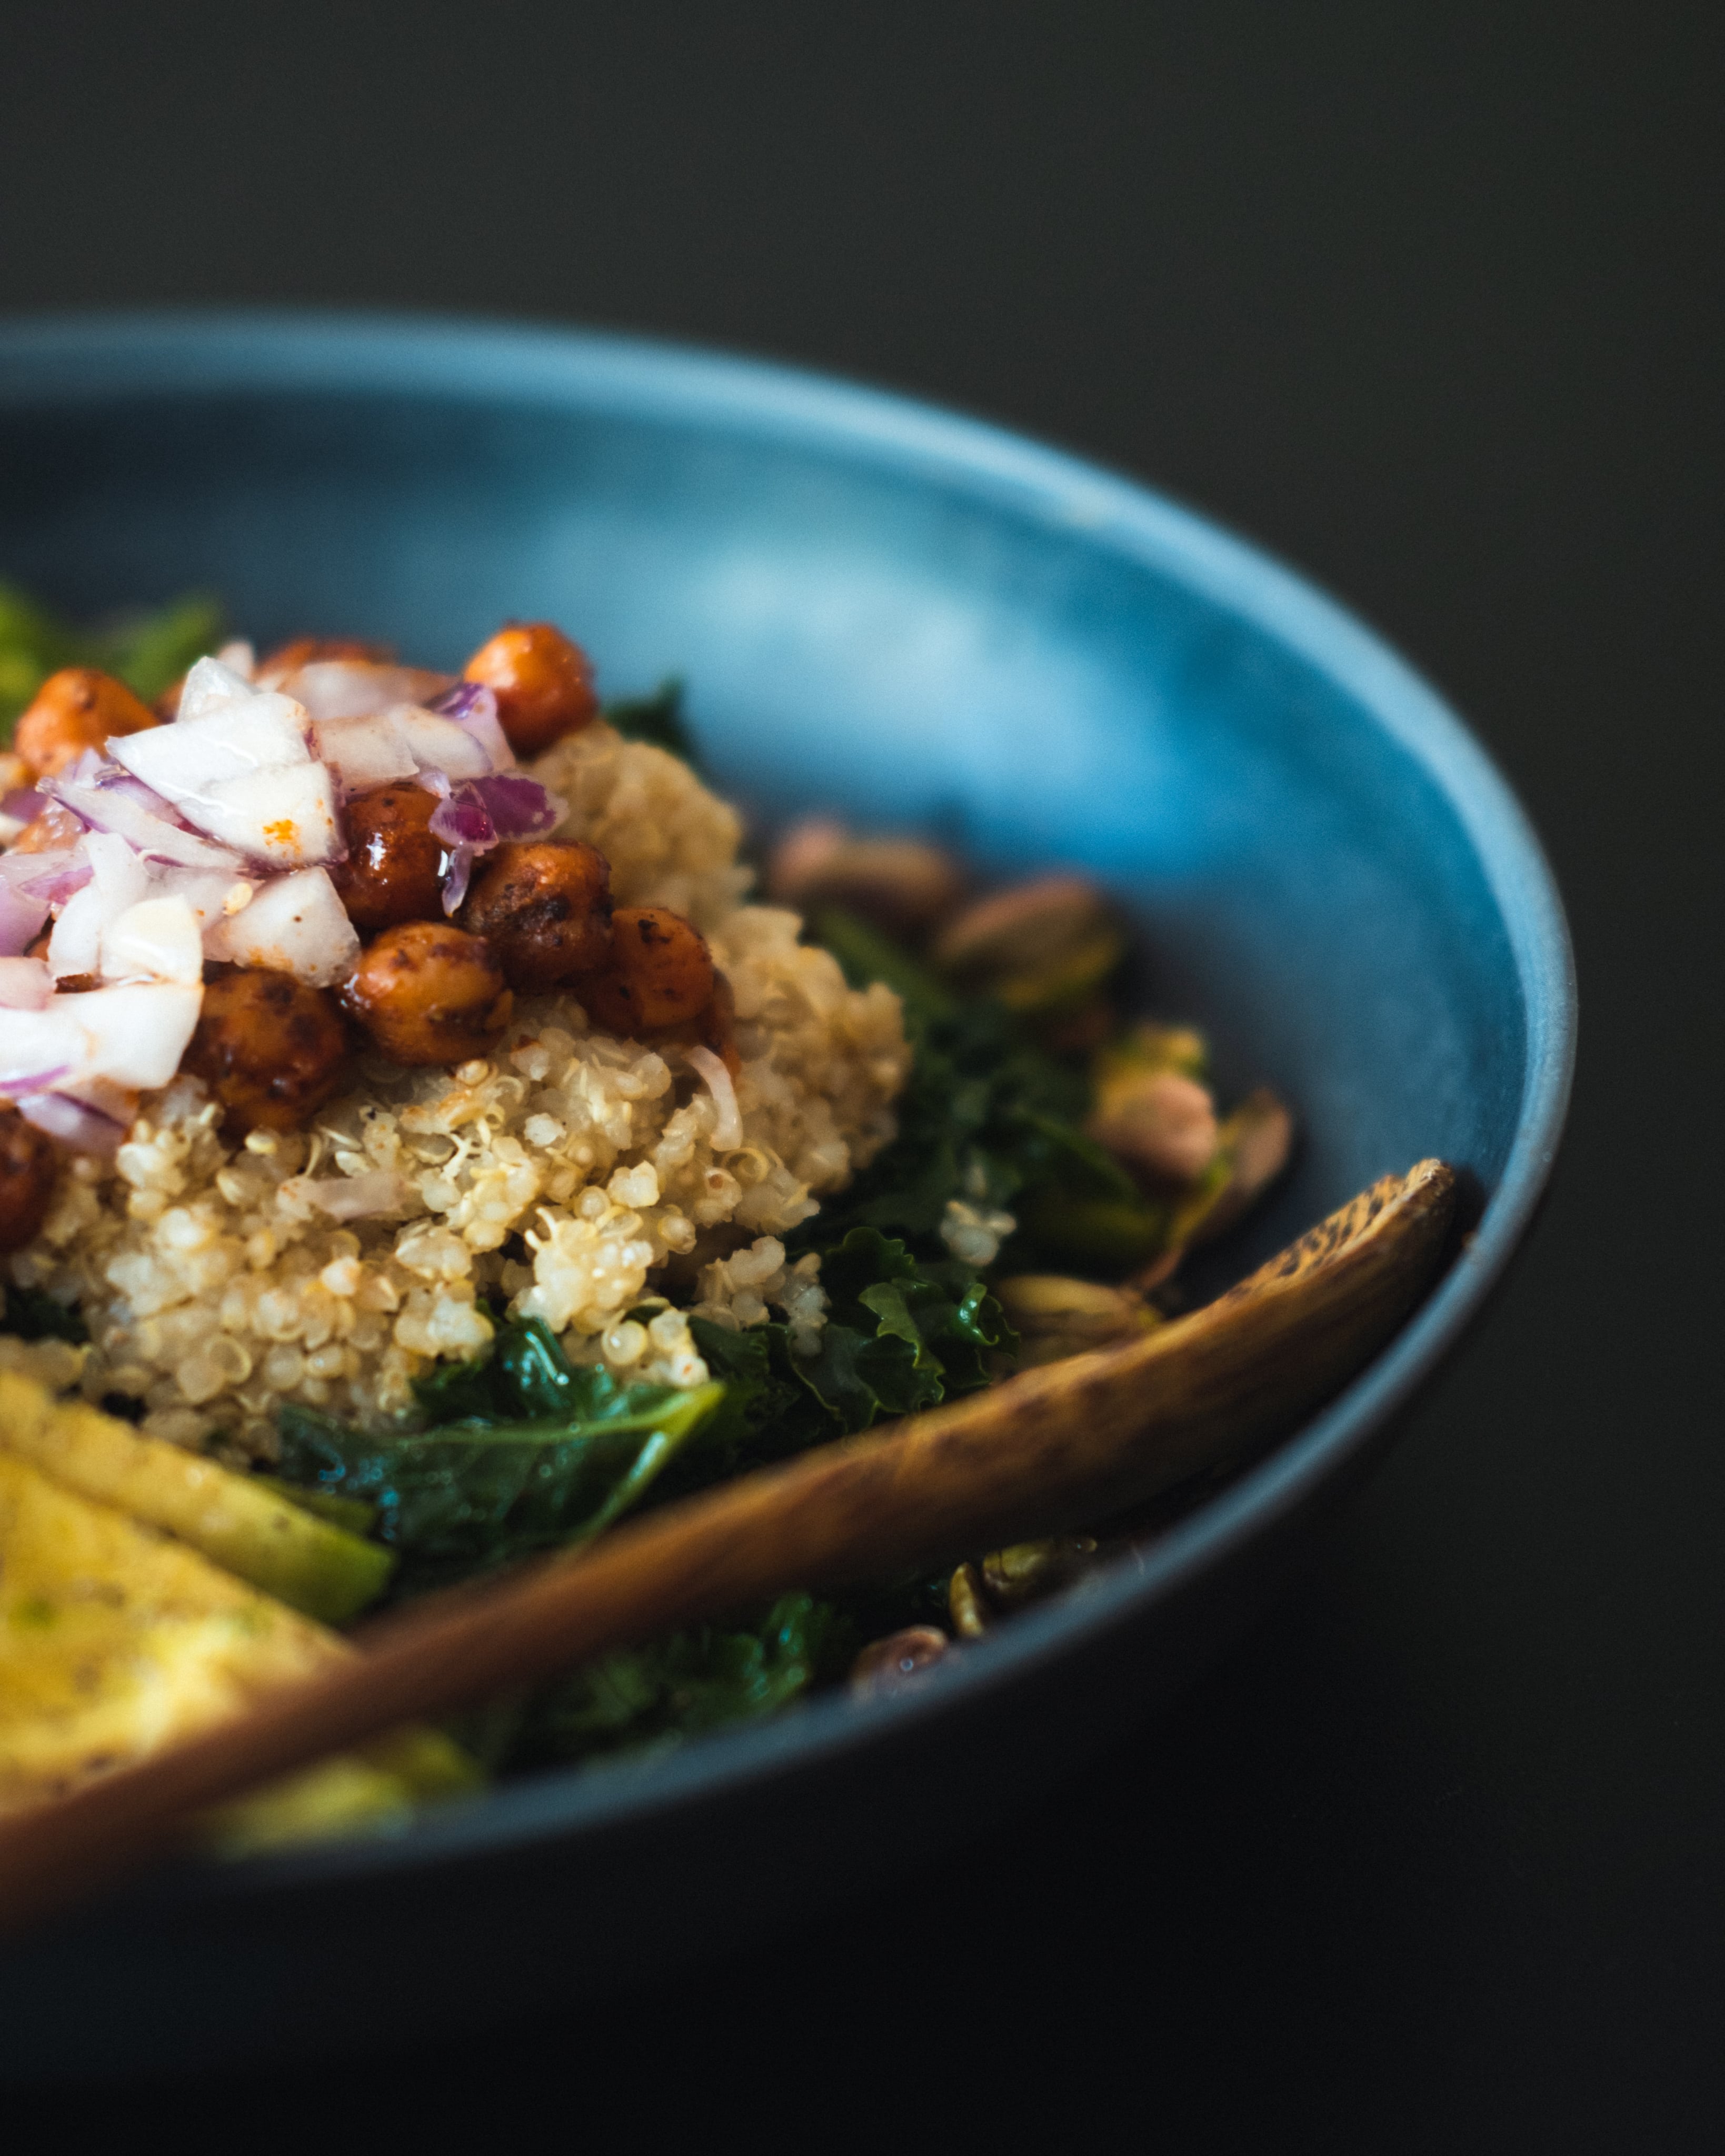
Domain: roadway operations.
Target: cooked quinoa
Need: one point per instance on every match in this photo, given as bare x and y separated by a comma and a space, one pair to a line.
569, 1174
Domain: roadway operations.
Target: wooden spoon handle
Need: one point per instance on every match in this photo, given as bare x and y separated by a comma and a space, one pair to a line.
1070, 1442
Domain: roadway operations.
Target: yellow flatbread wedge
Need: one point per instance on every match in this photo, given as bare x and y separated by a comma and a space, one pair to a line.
247, 1528
115, 1639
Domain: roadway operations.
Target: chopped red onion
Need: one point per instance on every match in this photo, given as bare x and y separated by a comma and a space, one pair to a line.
23, 804
519, 807
51, 877
478, 814
73, 1121
21, 920
474, 708
727, 1128
120, 808
461, 818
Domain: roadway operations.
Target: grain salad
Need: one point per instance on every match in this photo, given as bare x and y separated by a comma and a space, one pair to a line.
420, 1148
565, 1174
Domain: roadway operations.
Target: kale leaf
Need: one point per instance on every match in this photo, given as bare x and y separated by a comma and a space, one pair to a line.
675, 1687
988, 1117
33, 1314
529, 1453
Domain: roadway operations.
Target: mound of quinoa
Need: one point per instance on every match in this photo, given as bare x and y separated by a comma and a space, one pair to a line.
569, 1174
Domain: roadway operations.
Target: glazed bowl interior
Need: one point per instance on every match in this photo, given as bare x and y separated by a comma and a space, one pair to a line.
914, 621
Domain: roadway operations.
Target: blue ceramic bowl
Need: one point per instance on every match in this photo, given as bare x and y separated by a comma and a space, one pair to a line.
917, 619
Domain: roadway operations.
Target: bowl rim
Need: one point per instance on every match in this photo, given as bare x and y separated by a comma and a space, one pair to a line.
70, 359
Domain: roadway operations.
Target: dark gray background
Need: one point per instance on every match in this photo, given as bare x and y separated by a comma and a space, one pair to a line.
1428, 299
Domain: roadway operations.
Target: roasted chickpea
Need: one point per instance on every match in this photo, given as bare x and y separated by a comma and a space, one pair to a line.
313, 650
429, 993
74, 709
50, 833
542, 683
29, 1167
391, 871
545, 909
660, 974
270, 1050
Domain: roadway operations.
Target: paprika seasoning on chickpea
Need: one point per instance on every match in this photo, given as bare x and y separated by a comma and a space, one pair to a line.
77, 708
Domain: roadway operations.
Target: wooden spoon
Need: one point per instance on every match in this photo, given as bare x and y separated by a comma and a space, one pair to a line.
1053, 1447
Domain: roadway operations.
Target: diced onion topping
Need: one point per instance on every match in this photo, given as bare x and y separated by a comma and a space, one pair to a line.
727, 1129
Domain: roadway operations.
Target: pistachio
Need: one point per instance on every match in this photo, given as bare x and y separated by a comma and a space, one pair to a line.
1253, 1146
1043, 945
1256, 1141
1055, 1317
966, 1604
1152, 1047
1023, 1570
1160, 1123
889, 1665
902, 885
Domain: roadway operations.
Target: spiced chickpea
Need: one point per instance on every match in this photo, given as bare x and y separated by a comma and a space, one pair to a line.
427, 992
313, 650
545, 909
270, 1050
542, 680
55, 829
391, 871
28, 1169
659, 974
74, 709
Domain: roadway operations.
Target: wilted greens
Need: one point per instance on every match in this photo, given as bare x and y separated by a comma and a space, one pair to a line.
523, 1452
148, 649
989, 1117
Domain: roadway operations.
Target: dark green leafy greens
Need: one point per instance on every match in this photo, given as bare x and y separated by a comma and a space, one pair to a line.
672, 1688
527, 1452
32, 1315
990, 1118
148, 649
522, 1452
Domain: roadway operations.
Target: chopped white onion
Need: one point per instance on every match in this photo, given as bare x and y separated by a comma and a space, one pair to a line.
25, 984
236, 764
359, 688
137, 1034
42, 1049
257, 727
437, 744
238, 658
158, 939
294, 924
211, 897
132, 1037
368, 752
727, 1130
118, 879
112, 808
284, 816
